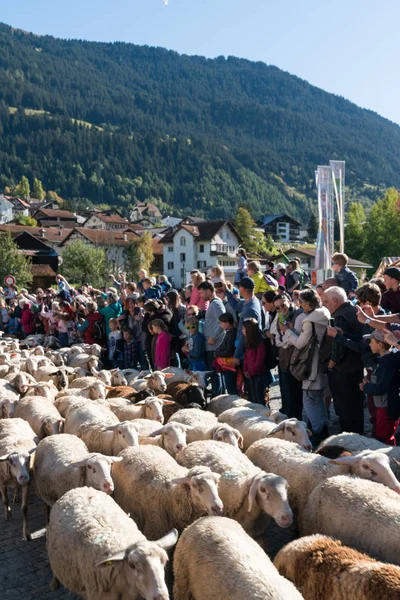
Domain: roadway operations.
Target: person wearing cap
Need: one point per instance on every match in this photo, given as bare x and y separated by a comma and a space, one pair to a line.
346, 278
384, 386
248, 308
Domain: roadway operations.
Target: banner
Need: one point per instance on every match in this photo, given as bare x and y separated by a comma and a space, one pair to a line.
324, 248
338, 173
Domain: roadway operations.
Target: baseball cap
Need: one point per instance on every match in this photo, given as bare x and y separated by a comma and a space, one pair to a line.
377, 334
393, 272
247, 283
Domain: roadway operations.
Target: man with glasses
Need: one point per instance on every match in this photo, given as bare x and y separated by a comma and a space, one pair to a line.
345, 277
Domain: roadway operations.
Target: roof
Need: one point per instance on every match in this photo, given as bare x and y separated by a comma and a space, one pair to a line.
268, 219
157, 246
51, 234
203, 230
42, 271
311, 253
109, 218
147, 208
56, 214
387, 261
105, 237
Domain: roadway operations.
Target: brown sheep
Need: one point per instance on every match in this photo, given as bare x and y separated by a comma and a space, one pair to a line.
323, 569
186, 393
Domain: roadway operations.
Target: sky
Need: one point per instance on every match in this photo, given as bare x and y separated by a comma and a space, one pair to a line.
348, 47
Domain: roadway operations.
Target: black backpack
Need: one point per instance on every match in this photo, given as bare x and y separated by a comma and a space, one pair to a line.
99, 330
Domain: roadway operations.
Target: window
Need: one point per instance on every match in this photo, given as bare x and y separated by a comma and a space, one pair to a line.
183, 241
183, 257
201, 264
170, 248
170, 266
201, 249
183, 273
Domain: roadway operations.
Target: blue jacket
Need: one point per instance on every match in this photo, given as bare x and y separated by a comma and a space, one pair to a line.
347, 280
387, 382
251, 309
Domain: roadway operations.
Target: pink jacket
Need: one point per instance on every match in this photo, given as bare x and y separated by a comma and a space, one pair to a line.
162, 357
195, 299
27, 320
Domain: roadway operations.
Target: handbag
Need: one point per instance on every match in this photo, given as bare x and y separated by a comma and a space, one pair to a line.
302, 358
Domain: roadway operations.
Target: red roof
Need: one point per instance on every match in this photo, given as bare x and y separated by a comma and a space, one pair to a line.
105, 237
42, 271
51, 234
55, 214
110, 218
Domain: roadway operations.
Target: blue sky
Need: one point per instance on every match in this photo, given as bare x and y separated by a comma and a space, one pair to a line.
349, 47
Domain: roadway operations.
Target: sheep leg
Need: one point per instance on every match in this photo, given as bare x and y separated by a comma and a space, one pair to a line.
17, 494
24, 510
46, 513
55, 584
4, 497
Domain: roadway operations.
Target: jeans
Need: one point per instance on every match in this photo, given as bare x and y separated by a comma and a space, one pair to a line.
144, 363
256, 388
63, 340
229, 378
314, 405
347, 399
292, 395
216, 379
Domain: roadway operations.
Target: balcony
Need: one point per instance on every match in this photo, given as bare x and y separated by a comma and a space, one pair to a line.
219, 249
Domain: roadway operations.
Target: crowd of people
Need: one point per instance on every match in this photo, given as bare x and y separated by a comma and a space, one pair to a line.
338, 341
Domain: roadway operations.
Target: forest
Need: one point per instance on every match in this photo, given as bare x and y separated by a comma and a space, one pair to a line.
114, 123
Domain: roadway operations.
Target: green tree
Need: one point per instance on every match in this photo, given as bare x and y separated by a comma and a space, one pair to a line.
12, 262
38, 191
23, 188
383, 228
26, 220
82, 262
138, 255
312, 228
355, 233
253, 239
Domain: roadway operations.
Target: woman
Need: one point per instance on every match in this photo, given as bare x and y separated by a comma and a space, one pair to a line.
313, 387
241, 265
154, 310
87, 325
26, 317
195, 299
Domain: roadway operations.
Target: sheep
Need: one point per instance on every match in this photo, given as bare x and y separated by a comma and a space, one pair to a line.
254, 426
205, 426
41, 414
56, 358
246, 491
122, 391
151, 408
113, 377
354, 442
154, 381
171, 437
92, 391
360, 513
216, 559
100, 429
186, 393
323, 569
7, 408
221, 403
65, 403
83, 382
57, 375
159, 494
7, 390
84, 361
63, 463
45, 389
304, 471
20, 381
17, 444
96, 551
130, 375
92, 349
187, 376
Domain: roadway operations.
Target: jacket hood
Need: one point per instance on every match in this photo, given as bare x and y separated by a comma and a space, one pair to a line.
320, 316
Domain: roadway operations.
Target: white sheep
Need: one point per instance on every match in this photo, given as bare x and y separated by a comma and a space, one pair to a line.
63, 463
304, 471
97, 551
246, 491
100, 429
17, 443
216, 559
57, 375
7, 408
45, 389
360, 513
113, 377
7, 390
151, 408
155, 381
220, 404
41, 414
92, 349
130, 375
205, 426
159, 494
84, 361
95, 390
84, 382
171, 437
354, 442
187, 376
322, 569
20, 381
254, 426
66, 403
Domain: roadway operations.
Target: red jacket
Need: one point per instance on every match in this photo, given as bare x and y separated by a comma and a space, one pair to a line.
255, 361
162, 357
88, 333
27, 320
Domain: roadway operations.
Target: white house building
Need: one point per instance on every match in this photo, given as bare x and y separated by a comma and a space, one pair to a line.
200, 246
106, 220
6, 210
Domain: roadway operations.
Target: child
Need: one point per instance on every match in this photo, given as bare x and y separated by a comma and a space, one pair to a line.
241, 265
262, 283
194, 347
149, 291
130, 354
115, 345
255, 369
5, 317
226, 350
62, 328
162, 355
383, 378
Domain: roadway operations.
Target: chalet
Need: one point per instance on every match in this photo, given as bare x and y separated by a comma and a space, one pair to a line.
282, 227
188, 246
47, 217
52, 236
145, 213
106, 220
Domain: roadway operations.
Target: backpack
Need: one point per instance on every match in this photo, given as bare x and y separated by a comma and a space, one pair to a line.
302, 359
304, 278
271, 282
99, 330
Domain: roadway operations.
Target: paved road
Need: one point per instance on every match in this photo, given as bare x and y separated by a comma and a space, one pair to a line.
24, 568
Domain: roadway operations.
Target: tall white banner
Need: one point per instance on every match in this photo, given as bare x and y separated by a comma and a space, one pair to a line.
324, 248
338, 173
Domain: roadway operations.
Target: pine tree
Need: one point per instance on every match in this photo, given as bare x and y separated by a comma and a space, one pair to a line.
38, 191
312, 229
355, 234
12, 262
23, 188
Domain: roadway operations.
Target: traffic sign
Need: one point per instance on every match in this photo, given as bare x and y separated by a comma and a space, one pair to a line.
9, 280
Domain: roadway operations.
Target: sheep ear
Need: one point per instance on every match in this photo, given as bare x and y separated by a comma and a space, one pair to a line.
115, 459
158, 432
309, 433
345, 460
188, 372
240, 441
279, 427
253, 491
114, 558
168, 375
169, 540
188, 427
114, 370
179, 480
4, 457
78, 464
140, 403
147, 376
112, 427
168, 402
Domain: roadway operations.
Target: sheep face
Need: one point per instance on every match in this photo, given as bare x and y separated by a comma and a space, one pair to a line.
18, 463
293, 430
269, 492
371, 465
203, 485
154, 410
174, 437
51, 426
62, 379
125, 433
96, 390
7, 408
193, 394
98, 471
21, 382
229, 435
142, 566
103, 376
117, 377
156, 381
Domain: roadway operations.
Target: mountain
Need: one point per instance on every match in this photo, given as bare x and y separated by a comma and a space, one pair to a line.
115, 123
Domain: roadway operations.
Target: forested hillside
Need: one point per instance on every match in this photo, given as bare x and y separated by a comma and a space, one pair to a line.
114, 123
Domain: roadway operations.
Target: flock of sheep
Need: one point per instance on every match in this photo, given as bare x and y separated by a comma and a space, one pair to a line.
136, 469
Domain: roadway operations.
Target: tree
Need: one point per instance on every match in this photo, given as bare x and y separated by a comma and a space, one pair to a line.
38, 191
354, 233
138, 255
254, 240
312, 228
12, 262
383, 228
26, 220
84, 263
23, 188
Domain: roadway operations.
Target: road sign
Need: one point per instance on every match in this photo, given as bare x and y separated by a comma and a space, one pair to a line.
9, 280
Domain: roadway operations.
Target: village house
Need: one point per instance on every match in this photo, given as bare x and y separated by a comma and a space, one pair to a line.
47, 217
106, 220
6, 210
145, 213
282, 227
